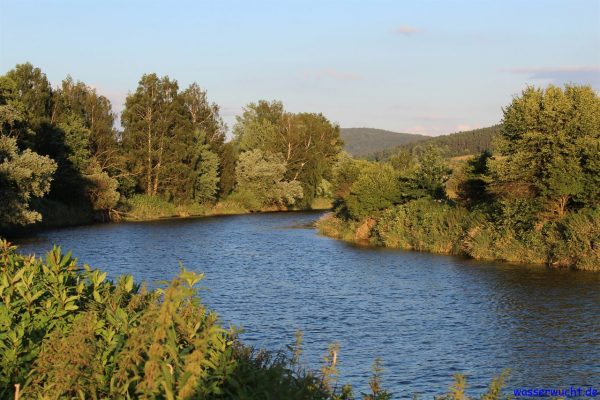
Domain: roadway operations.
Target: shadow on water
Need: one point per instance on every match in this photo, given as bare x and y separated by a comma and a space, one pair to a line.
426, 315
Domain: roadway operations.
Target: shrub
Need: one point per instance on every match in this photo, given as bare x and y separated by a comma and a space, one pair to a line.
423, 225
246, 199
575, 241
66, 331
486, 240
141, 207
333, 226
377, 188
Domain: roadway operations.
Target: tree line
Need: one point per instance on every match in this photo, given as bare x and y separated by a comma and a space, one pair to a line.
60, 149
534, 199
454, 145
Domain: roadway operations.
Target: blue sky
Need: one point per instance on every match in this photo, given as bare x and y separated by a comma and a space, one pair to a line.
429, 67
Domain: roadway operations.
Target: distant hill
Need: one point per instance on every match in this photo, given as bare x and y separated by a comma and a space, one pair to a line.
454, 144
364, 141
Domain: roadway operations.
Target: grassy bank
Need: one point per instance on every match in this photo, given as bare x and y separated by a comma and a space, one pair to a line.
146, 208
426, 225
68, 332
139, 208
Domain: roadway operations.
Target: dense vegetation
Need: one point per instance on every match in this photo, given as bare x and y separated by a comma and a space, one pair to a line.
455, 144
62, 160
361, 142
68, 332
535, 200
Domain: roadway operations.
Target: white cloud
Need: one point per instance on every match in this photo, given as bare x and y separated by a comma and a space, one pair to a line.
406, 30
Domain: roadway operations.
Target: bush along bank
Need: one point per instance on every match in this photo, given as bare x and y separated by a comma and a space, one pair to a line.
537, 200
424, 225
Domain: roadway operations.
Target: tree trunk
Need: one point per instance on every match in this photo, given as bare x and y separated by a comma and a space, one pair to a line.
158, 165
562, 205
149, 172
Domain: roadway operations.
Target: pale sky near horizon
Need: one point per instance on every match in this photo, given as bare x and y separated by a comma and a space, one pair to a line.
430, 67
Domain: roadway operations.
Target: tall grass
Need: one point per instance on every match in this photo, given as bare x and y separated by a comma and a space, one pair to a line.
422, 225
144, 207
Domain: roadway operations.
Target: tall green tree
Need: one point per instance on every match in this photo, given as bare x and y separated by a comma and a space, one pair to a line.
169, 139
206, 121
96, 115
34, 91
150, 122
228, 159
204, 116
431, 173
549, 149
307, 142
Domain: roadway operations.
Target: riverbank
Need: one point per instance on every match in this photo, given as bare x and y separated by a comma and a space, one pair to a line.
141, 208
572, 242
145, 208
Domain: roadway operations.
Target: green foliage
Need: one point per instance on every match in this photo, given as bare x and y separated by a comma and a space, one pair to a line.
574, 240
73, 126
228, 155
534, 202
34, 90
545, 146
307, 143
458, 389
364, 188
102, 189
23, 176
423, 225
260, 181
144, 207
336, 227
346, 171
172, 139
473, 188
76, 139
66, 331
431, 173
246, 199
486, 240
376, 188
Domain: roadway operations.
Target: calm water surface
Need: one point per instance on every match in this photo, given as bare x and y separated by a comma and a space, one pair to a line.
427, 316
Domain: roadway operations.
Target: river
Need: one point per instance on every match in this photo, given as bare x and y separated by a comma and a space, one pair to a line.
427, 316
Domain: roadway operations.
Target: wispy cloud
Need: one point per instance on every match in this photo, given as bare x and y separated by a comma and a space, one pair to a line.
406, 30
332, 74
582, 74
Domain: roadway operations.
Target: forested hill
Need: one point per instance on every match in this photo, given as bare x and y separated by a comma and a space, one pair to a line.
454, 144
364, 141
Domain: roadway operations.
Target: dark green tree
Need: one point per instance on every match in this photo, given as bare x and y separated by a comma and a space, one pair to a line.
23, 176
549, 149
169, 137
